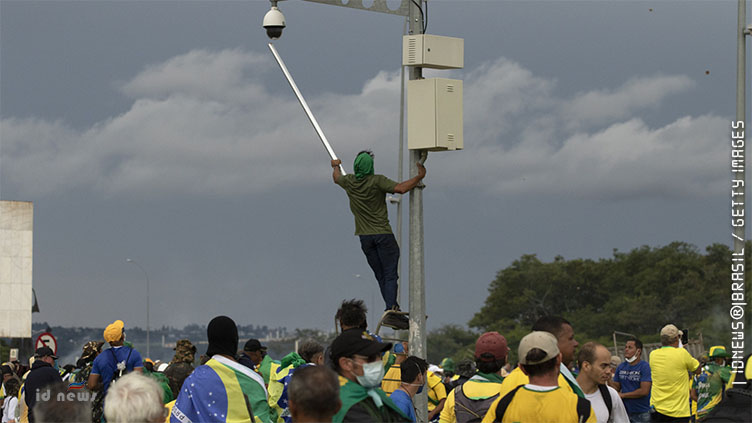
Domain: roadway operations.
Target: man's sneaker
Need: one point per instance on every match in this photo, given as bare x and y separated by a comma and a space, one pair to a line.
396, 321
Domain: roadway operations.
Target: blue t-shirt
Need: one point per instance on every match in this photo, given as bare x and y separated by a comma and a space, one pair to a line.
106, 363
404, 403
630, 377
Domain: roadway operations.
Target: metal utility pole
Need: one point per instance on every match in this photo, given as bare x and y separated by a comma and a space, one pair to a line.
416, 267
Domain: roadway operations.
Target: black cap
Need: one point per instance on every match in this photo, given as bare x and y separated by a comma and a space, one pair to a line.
44, 352
357, 341
6, 370
253, 345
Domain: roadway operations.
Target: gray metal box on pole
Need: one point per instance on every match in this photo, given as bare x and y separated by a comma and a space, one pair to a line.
433, 51
434, 114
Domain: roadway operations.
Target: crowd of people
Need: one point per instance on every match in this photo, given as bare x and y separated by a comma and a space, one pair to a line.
360, 378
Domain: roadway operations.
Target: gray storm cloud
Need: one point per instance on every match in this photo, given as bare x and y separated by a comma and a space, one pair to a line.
205, 122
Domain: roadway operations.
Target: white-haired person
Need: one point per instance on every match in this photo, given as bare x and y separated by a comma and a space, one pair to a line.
134, 398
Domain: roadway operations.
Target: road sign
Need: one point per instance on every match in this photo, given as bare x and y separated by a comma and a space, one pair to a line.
46, 340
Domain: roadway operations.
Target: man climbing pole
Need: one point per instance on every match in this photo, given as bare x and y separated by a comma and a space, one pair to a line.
367, 193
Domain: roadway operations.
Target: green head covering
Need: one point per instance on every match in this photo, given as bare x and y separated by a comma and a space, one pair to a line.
718, 351
293, 358
447, 364
363, 165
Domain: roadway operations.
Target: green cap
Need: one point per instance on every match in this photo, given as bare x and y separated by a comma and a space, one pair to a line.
447, 364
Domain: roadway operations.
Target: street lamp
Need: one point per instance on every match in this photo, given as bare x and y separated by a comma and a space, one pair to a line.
413, 11
147, 302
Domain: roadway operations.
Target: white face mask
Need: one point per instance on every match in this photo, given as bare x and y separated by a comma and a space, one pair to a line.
373, 373
631, 359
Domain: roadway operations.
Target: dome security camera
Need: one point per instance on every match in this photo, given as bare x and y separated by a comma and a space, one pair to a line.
274, 23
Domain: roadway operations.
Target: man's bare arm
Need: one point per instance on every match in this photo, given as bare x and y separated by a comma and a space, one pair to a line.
411, 183
93, 382
335, 170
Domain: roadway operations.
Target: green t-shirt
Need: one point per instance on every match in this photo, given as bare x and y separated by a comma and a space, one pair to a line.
709, 386
368, 202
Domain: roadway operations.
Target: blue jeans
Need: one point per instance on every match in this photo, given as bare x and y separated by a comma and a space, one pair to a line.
639, 417
382, 253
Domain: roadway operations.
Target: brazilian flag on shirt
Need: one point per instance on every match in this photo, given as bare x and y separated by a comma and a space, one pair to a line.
221, 391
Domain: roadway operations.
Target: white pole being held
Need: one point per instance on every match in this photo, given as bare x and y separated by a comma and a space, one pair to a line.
307, 109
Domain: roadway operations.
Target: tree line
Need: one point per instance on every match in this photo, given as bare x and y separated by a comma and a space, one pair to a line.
635, 292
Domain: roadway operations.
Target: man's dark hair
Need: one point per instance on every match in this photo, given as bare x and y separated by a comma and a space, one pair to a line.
587, 353
11, 386
637, 342
551, 324
314, 390
411, 368
352, 314
541, 368
489, 366
309, 348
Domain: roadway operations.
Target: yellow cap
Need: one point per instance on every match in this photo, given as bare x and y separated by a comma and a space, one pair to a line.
114, 331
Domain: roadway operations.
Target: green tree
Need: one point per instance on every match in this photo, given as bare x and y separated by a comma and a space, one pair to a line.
636, 292
450, 341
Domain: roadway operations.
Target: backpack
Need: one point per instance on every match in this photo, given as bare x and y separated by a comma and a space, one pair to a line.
606, 399
121, 367
583, 406
468, 410
736, 407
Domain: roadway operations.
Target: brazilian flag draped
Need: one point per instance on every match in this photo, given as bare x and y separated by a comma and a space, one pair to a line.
352, 393
221, 391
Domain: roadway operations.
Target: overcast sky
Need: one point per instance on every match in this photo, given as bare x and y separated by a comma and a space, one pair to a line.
165, 132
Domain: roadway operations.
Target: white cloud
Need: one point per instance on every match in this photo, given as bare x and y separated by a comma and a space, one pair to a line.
205, 123
599, 106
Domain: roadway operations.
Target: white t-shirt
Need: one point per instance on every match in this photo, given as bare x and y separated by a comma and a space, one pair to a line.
9, 409
618, 412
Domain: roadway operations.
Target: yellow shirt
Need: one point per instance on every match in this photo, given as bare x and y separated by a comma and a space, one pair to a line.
169, 407
473, 389
670, 367
556, 405
517, 378
392, 379
436, 390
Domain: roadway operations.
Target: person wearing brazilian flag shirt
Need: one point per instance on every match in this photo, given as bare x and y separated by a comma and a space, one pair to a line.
222, 390
709, 386
356, 357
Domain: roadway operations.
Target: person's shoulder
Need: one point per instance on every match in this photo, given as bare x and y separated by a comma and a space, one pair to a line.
345, 179
433, 379
381, 179
614, 393
398, 395
200, 371
101, 358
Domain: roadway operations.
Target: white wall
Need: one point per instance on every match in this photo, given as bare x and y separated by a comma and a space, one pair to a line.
16, 253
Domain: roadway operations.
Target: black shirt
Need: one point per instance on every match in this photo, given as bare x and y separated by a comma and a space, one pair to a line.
41, 375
